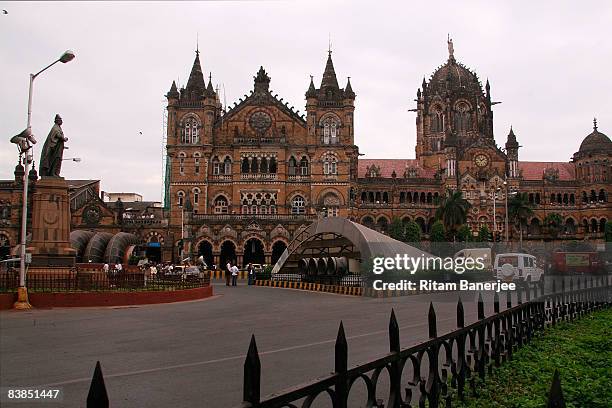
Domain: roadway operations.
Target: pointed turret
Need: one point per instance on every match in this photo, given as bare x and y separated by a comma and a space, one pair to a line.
329, 75
19, 172
511, 143
210, 92
348, 91
311, 92
196, 84
173, 93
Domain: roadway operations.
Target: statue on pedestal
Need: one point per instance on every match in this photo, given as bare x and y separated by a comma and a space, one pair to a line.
53, 151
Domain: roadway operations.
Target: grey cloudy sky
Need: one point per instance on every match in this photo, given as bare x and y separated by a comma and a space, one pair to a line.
548, 62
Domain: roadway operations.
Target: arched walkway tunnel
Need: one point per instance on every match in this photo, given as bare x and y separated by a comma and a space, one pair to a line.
205, 250
228, 254
253, 252
277, 250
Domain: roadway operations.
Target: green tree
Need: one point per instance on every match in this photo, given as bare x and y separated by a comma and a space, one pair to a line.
483, 234
413, 232
554, 224
519, 209
464, 234
438, 232
397, 229
452, 211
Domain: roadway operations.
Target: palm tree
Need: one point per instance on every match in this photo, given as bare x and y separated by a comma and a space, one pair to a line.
452, 210
519, 209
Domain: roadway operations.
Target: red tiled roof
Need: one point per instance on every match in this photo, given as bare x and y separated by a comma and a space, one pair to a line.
535, 170
388, 165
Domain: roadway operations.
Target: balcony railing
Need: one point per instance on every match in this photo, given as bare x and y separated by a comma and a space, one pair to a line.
145, 221
298, 177
241, 217
221, 177
258, 176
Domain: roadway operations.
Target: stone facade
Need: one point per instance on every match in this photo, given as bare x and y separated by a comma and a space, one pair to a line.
241, 181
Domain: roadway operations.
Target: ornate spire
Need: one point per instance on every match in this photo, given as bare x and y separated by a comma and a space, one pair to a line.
196, 82
595, 124
210, 92
348, 91
173, 93
311, 92
262, 81
511, 143
329, 75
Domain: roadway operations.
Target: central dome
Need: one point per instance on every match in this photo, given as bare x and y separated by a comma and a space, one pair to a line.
454, 76
596, 142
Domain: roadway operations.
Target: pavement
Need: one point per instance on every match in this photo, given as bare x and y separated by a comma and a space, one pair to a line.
191, 354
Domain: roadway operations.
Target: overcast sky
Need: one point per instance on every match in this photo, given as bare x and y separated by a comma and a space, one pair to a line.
547, 62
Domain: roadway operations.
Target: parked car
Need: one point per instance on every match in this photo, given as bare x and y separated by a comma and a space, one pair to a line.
517, 266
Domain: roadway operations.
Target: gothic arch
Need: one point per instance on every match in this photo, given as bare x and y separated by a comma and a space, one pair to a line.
331, 190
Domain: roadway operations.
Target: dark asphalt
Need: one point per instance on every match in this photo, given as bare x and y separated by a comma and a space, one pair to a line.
191, 354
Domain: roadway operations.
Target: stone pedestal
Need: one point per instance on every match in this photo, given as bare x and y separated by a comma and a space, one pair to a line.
50, 245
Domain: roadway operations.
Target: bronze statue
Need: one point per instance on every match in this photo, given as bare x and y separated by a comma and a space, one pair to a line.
53, 151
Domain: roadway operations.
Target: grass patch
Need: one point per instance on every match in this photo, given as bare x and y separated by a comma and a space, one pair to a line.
581, 350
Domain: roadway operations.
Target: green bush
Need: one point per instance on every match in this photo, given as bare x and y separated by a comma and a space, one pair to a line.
580, 350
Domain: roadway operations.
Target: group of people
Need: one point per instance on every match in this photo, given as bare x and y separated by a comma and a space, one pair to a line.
114, 271
231, 274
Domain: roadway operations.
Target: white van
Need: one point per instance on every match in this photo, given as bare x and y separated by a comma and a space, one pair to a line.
515, 266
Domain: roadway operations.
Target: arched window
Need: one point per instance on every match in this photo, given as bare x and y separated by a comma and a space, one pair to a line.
304, 166
330, 130
263, 165
537, 198
227, 165
593, 196
245, 165
254, 165
585, 198
331, 205
437, 120
181, 198
330, 165
463, 121
182, 163
593, 225
364, 196
216, 166
298, 205
190, 133
292, 166
220, 205
196, 162
602, 225
272, 165
367, 221
196, 196
602, 196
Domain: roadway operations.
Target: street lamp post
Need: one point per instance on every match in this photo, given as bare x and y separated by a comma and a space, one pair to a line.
506, 211
22, 292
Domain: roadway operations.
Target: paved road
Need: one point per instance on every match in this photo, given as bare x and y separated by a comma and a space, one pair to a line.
191, 354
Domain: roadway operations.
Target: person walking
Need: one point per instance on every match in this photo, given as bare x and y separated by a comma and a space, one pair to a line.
234, 275
105, 269
228, 273
250, 274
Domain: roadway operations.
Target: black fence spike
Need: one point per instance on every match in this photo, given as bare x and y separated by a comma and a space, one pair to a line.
481, 314
433, 331
252, 374
460, 314
341, 350
97, 396
555, 395
508, 299
394, 340
496, 302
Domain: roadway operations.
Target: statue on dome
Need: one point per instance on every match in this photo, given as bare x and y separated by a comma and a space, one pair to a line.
451, 48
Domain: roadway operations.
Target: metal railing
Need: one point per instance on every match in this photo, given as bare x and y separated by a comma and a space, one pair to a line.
100, 282
490, 341
337, 280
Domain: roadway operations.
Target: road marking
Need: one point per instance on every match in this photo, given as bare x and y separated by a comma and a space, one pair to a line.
224, 359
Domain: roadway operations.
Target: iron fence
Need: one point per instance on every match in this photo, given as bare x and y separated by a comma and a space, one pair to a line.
75, 281
345, 280
454, 361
